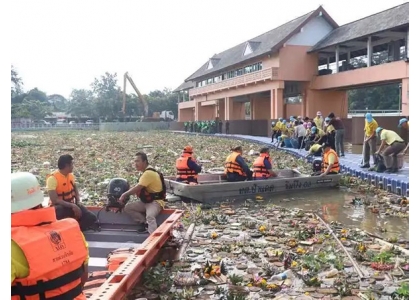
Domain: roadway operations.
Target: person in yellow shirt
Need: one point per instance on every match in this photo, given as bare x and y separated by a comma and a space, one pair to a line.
369, 143
276, 128
151, 194
315, 150
320, 135
404, 123
319, 120
394, 145
30, 262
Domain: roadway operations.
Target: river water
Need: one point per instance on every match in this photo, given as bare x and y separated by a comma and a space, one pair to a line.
333, 205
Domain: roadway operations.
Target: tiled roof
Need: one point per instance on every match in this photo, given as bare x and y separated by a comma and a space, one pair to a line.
382, 21
262, 44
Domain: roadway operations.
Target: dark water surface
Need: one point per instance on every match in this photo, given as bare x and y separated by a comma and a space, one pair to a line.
330, 206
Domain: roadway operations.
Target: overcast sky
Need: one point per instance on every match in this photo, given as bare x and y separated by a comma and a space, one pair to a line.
61, 45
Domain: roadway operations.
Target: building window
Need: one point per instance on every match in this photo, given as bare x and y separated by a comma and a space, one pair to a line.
231, 74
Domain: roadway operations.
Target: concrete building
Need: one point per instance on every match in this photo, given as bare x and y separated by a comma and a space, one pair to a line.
300, 67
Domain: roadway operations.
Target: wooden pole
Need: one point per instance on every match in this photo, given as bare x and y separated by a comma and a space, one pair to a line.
185, 242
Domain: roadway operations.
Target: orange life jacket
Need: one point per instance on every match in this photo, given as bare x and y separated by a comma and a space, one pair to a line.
182, 169
147, 197
65, 186
231, 166
336, 166
260, 170
55, 251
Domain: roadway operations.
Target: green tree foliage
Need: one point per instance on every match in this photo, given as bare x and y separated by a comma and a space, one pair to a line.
103, 101
384, 97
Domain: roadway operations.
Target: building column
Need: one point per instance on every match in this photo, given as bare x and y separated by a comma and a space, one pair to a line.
277, 106
337, 58
369, 51
405, 97
407, 44
251, 106
328, 62
196, 110
228, 108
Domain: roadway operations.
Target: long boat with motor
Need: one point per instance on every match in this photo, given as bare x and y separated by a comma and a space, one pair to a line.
134, 252
118, 254
214, 187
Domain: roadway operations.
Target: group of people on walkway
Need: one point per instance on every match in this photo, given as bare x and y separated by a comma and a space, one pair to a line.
299, 133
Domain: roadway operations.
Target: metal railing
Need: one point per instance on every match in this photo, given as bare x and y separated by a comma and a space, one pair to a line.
374, 112
80, 126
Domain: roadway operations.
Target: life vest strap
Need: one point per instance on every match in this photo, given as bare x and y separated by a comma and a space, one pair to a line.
43, 286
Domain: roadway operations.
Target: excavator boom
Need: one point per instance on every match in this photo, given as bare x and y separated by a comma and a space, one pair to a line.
143, 101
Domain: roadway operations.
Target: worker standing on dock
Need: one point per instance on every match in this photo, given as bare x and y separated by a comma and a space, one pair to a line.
49, 257
330, 161
263, 166
187, 169
370, 140
235, 167
404, 123
151, 193
62, 189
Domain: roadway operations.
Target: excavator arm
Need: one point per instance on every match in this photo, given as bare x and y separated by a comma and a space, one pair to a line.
143, 101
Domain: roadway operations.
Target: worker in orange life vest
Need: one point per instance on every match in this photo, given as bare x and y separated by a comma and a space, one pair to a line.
236, 168
187, 169
49, 258
263, 165
64, 194
330, 161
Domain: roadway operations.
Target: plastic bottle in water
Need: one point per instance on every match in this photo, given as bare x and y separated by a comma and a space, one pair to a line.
288, 274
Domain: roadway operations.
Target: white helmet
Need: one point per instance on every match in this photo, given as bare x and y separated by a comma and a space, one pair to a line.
26, 192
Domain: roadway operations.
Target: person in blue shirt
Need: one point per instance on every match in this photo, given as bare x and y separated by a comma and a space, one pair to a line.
236, 168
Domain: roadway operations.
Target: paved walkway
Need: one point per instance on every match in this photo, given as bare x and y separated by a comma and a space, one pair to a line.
396, 183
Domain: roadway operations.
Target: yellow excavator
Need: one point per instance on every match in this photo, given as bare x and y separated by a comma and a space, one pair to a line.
157, 116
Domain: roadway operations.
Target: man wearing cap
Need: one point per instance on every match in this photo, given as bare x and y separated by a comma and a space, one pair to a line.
319, 120
330, 161
394, 143
369, 145
187, 169
403, 123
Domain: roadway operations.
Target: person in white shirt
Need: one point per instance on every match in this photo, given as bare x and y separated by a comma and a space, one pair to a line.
299, 133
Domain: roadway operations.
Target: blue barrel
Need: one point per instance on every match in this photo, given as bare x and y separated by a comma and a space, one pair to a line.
386, 182
395, 184
404, 188
287, 143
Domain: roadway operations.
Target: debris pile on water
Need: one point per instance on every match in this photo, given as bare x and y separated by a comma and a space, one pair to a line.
248, 253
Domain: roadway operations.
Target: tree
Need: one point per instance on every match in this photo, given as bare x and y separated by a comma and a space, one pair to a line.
17, 84
81, 103
108, 98
34, 109
58, 102
378, 97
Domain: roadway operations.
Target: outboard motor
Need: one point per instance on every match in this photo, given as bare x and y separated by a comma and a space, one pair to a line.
317, 165
116, 187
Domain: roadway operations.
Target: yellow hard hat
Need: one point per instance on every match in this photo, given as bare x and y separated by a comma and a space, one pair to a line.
26, 192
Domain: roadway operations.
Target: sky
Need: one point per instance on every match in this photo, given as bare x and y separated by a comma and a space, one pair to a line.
58, 46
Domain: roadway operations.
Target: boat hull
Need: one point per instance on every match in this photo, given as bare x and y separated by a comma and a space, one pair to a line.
214, 187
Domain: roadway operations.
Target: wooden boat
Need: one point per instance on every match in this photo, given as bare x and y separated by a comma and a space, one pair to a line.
117, 230
214, 187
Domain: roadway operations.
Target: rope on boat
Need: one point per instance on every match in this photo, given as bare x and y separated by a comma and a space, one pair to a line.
185, 242
355, 265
